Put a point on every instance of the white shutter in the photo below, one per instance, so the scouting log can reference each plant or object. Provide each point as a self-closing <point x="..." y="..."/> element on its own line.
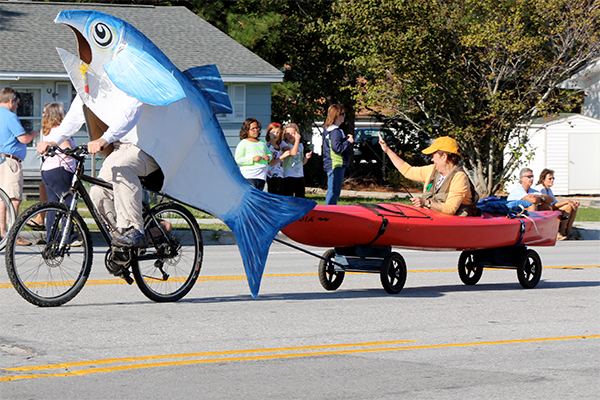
<point x="63" y="94"/>
<point x="238" y="102"/>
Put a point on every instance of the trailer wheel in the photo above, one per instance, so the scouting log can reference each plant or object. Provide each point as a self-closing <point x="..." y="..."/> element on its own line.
<point x="393" y="273"/>
<point x="468" y="271"/>
<point x="330" y="278"/>
<point x="529" y="269"/>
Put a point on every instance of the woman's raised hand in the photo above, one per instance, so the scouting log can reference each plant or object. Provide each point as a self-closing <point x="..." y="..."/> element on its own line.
<point x="382" y="143"/>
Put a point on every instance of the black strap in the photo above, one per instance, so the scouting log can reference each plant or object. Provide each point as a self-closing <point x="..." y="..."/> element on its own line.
<point x="384" y="221"/>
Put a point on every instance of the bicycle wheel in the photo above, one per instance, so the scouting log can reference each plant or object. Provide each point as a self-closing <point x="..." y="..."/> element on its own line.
<point x="173" y="275"/>
<point x="10" y="217"/>
<point x="38" y="271"/>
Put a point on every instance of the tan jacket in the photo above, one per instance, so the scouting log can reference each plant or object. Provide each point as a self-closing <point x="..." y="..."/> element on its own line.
<point x="454" y="192"/>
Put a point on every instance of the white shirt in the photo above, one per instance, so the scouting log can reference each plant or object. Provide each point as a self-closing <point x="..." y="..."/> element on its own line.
<point x="127" y="116"/>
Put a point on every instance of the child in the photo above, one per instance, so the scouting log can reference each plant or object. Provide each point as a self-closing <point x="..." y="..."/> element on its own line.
<point x="293" y="166"/>
<point x="279" y="151"/>
<point x="252" y="154"/>
<point x="57" y="171"/>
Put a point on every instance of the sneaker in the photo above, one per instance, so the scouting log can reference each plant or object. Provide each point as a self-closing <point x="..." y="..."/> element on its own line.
<point x="22" y="242"/>
<point x="40" y="241"/>
<point x="76" y="243"/>
<point x="560" y="237"/>
<point x="131" y="238"/>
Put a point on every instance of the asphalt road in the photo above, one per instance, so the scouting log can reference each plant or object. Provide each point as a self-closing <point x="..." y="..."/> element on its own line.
<point x="436" y="339"/>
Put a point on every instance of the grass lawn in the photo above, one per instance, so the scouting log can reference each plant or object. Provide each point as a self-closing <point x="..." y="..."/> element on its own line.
<point x="588" y="214"/>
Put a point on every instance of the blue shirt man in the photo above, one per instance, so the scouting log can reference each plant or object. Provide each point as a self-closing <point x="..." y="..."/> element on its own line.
<point x="524" y="191"/>
<point x="10" y="130"/>
<point x="13" y="144"/>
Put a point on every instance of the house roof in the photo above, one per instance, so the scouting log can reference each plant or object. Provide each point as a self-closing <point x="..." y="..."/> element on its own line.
<point x="561" y="118"/>
<point x="586" y="77"/>
<point x="29" y="36"/>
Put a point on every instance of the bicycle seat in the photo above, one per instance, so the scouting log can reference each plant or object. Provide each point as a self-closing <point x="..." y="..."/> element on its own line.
<point x="154" y="181"/>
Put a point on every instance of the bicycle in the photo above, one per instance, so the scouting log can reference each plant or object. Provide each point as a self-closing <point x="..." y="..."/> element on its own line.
<point x="11" y="214"/>
<point x="10" y="218"/>
<point x="54" y="269"/>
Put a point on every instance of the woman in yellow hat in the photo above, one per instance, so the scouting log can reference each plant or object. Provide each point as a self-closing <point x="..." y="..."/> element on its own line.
<point x="447" y="187"/>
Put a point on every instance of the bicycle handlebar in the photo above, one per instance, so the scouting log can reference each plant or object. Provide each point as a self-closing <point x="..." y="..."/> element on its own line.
<point x="78" y="152"/>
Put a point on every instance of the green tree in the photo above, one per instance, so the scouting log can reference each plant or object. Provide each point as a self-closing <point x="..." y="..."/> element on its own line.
<point x="288" y="35"/>
<point x="476" y="70"/>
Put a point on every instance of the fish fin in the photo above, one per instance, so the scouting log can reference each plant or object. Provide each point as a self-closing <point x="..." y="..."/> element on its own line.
<point x="208" y="80"/>
<point x="140" y="75"/>
<point x="261" y="216"/>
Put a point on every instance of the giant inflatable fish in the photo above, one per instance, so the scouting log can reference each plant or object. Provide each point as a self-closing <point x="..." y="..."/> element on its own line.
<point x="178" y="127"/>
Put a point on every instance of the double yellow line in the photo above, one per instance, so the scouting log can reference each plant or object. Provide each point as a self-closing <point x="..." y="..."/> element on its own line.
<point x="132" y="363"/>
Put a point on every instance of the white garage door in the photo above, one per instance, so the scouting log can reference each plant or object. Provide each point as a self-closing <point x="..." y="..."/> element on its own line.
<point x="584" y="163"/>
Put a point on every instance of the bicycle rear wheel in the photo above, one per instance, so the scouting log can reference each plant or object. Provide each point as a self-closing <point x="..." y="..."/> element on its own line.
<point x="179" y="254"/>
<point x="10" y="217"/>
<point x="39" y="273"/>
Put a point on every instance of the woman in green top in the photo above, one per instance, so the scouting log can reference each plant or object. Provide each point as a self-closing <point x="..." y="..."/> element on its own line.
<point x="252" y="154"/>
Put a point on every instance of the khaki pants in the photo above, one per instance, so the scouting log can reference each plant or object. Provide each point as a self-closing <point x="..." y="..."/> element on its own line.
<point x="122" y="207"/>
<point x="11" y="178"/>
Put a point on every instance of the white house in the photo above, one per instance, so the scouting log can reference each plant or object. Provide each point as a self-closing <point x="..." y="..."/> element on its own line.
<point x="587" y="79"/>
<point x="569" y="144"/>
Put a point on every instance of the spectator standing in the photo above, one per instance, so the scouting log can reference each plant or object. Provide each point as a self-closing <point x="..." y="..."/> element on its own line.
<point x="252" y="154"/>
<point x="13" y="144"/>
<point x="293" y="166"/>
<point x="279" y="152"/>
<point x="336" y="152"/>
<point x="58" y="170"/>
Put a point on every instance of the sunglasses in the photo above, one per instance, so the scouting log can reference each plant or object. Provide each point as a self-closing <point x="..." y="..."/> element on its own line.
<point x="528" y="176"/>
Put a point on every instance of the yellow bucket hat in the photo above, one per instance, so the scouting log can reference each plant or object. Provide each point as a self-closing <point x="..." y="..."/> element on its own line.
<point x="444" y="143"/>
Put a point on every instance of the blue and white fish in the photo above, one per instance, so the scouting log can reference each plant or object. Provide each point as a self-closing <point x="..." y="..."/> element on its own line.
<point x="178" y="127"/>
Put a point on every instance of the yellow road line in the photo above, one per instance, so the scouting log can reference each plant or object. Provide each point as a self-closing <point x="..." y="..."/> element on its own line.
<point x="258" y="357"/>
<point x="203" y="354"/>
<point x="243" y="277"/>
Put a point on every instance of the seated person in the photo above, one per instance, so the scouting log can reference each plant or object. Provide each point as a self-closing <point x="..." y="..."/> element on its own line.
<point x="568" y="208"/>
<point x="447" y="187"/>
<point x="524" y="191"/>
<point x="121" y="207"/>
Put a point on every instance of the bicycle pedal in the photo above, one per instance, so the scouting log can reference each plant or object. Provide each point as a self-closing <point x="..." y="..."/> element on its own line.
<point x="121" y="272"/>
<point x="127" y="277"/>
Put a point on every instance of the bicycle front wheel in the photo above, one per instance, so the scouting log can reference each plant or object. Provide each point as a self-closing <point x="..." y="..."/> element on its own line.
<point x="42" y="272"/>
<point x="175" y="264"/>
<point x="10" y="217"/>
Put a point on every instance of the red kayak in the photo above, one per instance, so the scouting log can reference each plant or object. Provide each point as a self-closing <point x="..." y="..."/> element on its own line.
<point x="402" y="225"/>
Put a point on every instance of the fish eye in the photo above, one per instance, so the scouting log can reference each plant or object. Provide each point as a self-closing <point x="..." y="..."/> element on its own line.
<point x="102" y="34"/>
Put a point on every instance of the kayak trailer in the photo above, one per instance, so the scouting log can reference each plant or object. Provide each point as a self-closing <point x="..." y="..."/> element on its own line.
<point x="391" y="267"/>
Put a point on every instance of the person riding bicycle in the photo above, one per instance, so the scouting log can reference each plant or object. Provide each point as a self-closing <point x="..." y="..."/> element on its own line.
<point x="121" y="207"/>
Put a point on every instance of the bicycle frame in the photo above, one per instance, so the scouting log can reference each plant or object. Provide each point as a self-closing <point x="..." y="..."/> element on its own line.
<point x="78" y="190"/>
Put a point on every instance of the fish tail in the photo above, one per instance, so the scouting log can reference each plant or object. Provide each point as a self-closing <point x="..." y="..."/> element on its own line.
<point x="260" y="217"/>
